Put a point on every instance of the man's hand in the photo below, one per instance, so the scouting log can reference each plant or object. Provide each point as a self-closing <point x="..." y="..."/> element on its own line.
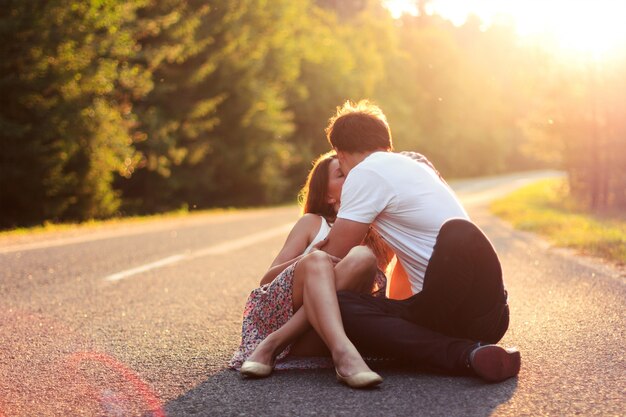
<point x="319" y="245"/>
<point x="421" y="158"/>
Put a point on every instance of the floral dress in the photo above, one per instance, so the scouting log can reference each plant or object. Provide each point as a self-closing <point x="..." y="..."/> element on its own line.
<point x="269" y="307"/>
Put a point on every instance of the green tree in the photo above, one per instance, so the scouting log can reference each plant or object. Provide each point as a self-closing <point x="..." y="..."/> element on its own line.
<point x="452" y="95"/>
<point x="580" y="119"/>
<point x="344" y="47"/>
<point x="216" y="122"/>
<point x="67" y="85"/>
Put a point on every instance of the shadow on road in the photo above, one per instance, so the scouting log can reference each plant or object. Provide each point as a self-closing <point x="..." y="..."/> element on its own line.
<point x="316" y="392"/>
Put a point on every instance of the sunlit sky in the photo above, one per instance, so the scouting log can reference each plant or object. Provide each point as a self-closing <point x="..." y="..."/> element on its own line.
<point x="584" y="26"/>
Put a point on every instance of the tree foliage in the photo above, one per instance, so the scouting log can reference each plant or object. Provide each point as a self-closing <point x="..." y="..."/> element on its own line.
<point x="68" y="83"/>
<point x="113" y="107"/>
<point x="582" y="119"/>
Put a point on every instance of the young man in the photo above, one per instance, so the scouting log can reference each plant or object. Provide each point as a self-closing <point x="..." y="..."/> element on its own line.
<point x="459" y="308"/>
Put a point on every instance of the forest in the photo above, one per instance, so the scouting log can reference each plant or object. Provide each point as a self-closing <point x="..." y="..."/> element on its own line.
<point x="124" y="107"/>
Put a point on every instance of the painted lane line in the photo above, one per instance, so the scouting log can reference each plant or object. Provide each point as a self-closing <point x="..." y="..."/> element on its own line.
<point x="218" y="249"/>
<point x="234" y="244"/>
<point x="143" y="268"/>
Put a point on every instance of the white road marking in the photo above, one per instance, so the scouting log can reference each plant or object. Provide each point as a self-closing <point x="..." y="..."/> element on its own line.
<point x="143" y="268"/>
<point x="218" y="249"/>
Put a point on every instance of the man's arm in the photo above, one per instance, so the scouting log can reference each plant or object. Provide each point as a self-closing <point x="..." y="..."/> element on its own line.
<point x="344" y="235"/>
<point x="421" y="158"/>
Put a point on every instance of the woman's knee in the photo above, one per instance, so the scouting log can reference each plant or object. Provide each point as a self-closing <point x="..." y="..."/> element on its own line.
<point x="315" y="258"/>
<point x="361" y="258"/>
<point x="314" y="263"/>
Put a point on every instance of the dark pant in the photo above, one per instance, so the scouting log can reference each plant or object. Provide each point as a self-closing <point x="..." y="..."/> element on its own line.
<point x="462" y="302"/>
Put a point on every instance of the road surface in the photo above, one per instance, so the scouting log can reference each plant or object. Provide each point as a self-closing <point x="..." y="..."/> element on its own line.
<point x="141" y="319"/>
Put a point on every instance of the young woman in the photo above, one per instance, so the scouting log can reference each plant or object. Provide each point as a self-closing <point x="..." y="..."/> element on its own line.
<point x="299" y="289"/>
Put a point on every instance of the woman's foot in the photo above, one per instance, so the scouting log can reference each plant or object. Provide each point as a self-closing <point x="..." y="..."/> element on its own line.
<point x="261" y="362"/>
<point x="352" y="370"/>
<point x="349" y="363"/>
<point x="255" y="369"/>
<point x="360" y="379"/>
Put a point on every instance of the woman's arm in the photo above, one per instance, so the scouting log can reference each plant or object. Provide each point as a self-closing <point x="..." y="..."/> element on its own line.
<point x="299" y="238"/>
<point x="277" y="269"/>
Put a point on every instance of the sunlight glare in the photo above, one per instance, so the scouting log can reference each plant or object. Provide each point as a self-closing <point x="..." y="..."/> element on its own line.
<point x="593" y="28"/>
<point x="398" y="7"/>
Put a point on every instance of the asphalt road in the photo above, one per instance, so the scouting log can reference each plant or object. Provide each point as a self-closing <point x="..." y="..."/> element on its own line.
<point x="141" y="320"/>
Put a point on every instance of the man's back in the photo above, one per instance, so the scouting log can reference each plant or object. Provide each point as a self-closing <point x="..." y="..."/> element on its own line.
<point x="405" y="201"/>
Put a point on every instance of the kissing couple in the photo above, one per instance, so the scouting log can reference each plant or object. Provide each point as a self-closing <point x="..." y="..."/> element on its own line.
<point x="445" y="306"/>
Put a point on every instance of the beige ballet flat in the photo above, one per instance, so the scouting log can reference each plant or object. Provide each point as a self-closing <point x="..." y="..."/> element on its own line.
<point x="360" y="379"/>
<point x="256" y="369"/>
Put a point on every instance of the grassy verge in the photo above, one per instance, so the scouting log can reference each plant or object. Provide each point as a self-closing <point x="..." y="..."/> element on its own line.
<point x="96" y="224"/>
<point x="546" y="208"/>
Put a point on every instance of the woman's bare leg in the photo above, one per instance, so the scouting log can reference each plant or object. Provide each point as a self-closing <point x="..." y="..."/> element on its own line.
<point x="322" y="312"/>
<point x="278" y="340"/>
<point x="355" y="272"/>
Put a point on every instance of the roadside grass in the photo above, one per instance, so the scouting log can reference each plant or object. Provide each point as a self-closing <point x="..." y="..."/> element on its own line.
<point x="97" y="224"/>
<point x="546" y="208"/>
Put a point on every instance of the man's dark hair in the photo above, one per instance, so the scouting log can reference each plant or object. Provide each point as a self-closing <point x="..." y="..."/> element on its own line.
<point x="359" y="127"/>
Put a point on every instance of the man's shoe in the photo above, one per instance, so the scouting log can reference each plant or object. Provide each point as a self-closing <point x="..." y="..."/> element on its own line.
<point x="494" y="363"/>
<point x="255" y="369"/>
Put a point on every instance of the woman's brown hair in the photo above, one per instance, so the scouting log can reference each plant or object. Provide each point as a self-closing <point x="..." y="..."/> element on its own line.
<point x="313" y="198"/>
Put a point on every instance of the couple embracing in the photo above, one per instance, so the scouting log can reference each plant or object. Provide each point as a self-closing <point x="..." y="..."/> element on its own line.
<point x="363" y="204"/>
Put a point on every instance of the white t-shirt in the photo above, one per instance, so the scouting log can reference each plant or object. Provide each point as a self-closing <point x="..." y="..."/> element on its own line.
<point x="406" y="202"/>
